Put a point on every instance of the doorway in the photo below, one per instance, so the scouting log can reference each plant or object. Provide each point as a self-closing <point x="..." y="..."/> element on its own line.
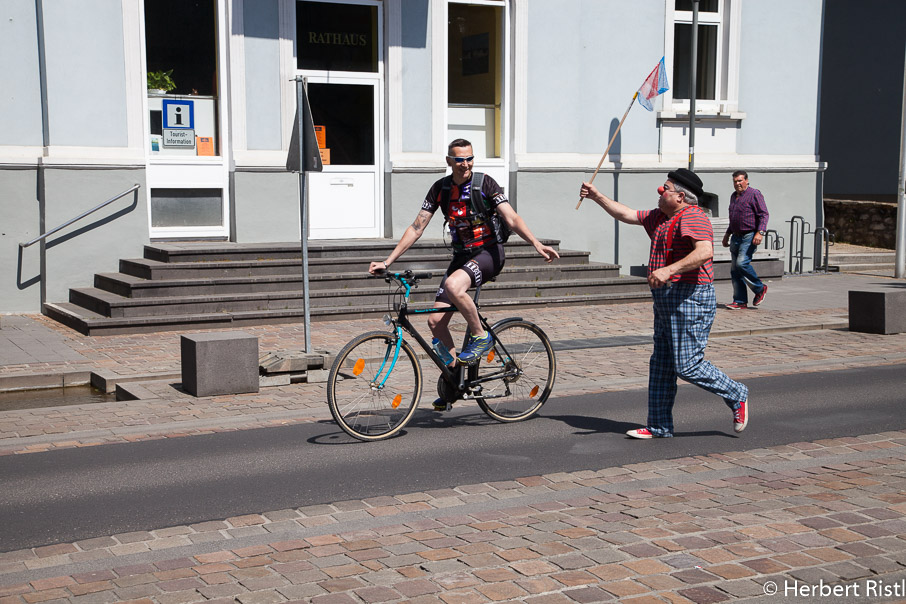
<point x="339" y="53"/>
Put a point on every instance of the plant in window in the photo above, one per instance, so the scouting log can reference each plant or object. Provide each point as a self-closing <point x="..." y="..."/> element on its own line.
<point x="161" y="80"/>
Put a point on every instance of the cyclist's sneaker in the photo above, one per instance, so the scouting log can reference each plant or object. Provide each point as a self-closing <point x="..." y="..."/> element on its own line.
<point x="640" y="433"/>
<point x="476" y="347"/>
<point x="741" y="416"/>
<point x="759" y="297"/>
<point x="737" y="306"/>
<point x="440" y="404"/>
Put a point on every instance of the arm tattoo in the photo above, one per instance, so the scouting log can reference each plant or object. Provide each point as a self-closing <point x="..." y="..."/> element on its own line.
<point x="421" y="221"/>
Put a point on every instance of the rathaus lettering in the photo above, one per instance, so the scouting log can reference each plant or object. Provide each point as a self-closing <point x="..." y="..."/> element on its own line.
<point x="337" y="39"/>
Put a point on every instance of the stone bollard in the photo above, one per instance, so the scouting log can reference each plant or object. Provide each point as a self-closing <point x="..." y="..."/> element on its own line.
<point x="877" y="311"/>
<point x="219" y="363"/>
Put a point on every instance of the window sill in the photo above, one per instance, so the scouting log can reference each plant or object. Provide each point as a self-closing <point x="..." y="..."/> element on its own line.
<point x="715" y="116"/>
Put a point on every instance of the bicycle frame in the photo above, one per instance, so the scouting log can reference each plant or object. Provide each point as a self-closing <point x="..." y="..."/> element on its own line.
<point x="402" y="322"/>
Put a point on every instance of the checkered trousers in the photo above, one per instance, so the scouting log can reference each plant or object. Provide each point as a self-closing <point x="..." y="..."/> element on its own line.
<point x="683" y="314"/>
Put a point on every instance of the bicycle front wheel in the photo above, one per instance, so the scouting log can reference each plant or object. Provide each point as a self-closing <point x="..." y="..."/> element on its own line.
<point x="526" y="366"/>
<point x="372" y="397"/>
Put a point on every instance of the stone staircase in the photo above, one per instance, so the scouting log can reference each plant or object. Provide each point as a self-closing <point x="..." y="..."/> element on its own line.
<point x="197" y="285"/>
<point x="844" y="258"/>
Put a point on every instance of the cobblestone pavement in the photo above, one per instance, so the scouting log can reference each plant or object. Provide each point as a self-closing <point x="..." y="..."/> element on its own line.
<point x="699" y="529"/>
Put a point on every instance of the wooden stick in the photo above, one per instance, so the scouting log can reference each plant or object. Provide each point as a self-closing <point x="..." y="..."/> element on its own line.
<point x="610" y="144"/>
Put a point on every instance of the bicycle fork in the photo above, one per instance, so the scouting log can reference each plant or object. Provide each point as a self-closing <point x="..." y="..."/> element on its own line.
<point x="396" y="345"/>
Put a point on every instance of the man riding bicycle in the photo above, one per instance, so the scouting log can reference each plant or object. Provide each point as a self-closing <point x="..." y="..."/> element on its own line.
<point x="478" y="254"/>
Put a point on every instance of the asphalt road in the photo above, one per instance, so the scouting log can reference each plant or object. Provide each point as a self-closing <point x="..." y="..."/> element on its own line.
<point x="72" y="494"/>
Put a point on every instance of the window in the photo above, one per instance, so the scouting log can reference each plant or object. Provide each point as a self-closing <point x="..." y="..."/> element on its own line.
<point x="475" y="79"/>
<point x="716" y="57"/>
<point x="337" y="37"/>
<point x="180" y="41"/>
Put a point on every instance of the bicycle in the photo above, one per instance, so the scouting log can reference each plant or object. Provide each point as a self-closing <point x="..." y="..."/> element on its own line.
<point x="375" y="382"/>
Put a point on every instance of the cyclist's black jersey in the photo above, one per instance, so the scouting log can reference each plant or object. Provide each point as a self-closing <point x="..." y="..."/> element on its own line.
<point x="468" y="229"/>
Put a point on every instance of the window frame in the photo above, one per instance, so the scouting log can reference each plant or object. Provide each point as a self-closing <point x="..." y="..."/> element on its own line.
<point x="727" y="20"/>
<point x="495" y="165"/>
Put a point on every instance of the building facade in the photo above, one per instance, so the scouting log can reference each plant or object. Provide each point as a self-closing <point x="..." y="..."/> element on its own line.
<point x="537" y="86"/>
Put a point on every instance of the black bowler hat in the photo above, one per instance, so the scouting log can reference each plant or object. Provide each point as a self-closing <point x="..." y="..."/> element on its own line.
<point x="688" y="179"/>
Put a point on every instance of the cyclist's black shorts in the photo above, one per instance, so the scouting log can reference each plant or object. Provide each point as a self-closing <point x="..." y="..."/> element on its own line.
<point x="481" y="266"/>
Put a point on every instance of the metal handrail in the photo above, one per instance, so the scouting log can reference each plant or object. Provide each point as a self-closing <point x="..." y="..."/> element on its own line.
<point x="80" y="216"/>
<point x="822" y="235"/>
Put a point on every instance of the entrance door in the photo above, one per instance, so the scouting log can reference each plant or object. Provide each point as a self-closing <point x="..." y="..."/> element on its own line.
<point x="339" y="53"/>
<point x="344" y="198"/>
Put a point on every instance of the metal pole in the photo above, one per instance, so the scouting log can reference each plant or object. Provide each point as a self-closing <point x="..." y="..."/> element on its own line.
<point x="692" y="90"/>
<point x="900" y="266"/>
<point x="303" y="208"/>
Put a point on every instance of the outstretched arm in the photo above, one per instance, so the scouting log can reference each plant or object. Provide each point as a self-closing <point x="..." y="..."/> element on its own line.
<point x="515" y="222"/>
<point x="412" y="234"/>
<point x="614" y="208"/>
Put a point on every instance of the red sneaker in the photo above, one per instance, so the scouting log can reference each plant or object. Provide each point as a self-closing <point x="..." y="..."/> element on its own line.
<point x="741" y="416"/>
<point x="640" y="433"/>
<point x="737" y="306"/>
<point x="759" y="297"/>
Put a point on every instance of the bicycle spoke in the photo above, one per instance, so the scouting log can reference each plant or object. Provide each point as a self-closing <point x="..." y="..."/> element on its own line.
<point x="527" y="368"/>
<point x="372" y="392"/>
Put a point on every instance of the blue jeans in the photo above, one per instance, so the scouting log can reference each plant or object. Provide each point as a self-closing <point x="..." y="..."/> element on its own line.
<point x="741" y="272"/>
<point x="683" y="315"/>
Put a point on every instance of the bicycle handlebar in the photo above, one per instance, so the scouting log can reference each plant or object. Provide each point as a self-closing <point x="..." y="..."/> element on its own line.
<point x="406" y="277"/>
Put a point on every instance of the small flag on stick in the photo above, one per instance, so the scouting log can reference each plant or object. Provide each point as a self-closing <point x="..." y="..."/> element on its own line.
<point x="654" y="84"/>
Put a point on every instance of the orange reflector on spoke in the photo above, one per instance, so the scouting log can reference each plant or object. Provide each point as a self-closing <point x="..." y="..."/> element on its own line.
<point x="358" y="367"/>
<point x="396" y="401"/>
<point x="490" y="356"/>
<point x="534" y="392"/>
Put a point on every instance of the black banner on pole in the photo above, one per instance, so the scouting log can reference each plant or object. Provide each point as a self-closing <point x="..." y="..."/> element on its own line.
<point x="312" y="155"/>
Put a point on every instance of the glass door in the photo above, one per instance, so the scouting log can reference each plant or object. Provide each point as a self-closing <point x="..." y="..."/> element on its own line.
<point x="339" y="53"/>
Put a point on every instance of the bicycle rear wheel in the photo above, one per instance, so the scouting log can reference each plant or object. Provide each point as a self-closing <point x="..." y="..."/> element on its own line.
<point x="365" y="404"/>
<point x="527" y="369"/>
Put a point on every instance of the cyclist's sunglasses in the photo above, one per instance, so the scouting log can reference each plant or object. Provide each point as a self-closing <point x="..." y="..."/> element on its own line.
<point x="459" y="160"/>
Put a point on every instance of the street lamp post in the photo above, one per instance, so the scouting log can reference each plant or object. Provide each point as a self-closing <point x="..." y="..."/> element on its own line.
<point x="692" y="84"/>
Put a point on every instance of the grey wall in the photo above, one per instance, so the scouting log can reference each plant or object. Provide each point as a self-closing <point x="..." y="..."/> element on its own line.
<point x="585" y="61"/>
<point x="266" y="206"/>
<point x="262" y="74"/>
<point x="778" y="87"/>
<point x="408" y="190"/>
<point x="19" y="287"/>
<point x="861" y="97"/>
<point x="20" y="101"/>
<point x="416" y="76"/>
<point x="96" y="243"/>
<point x="86" y="79"/>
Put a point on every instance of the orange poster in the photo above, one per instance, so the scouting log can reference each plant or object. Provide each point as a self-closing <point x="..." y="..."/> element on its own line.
<point x="321" y="135"/>
<point x="205" y="145"/>
<point x="325" y="156"/>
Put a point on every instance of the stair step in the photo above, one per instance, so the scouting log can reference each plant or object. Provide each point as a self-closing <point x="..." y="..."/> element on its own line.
<point x="858" y="268"/>
<point x="217" y="251"/>
<point x="105" y="303"/>
<point x="146" y="268"/>
<point x="136" y="287"/>
<point x="90" y="323"/>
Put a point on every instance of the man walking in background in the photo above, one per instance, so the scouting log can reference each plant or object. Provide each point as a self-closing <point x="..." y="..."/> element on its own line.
<point x="748" y="224"/>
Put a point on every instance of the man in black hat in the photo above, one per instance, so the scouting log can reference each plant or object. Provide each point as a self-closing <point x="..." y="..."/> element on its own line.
<point x="682" y="287"/>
